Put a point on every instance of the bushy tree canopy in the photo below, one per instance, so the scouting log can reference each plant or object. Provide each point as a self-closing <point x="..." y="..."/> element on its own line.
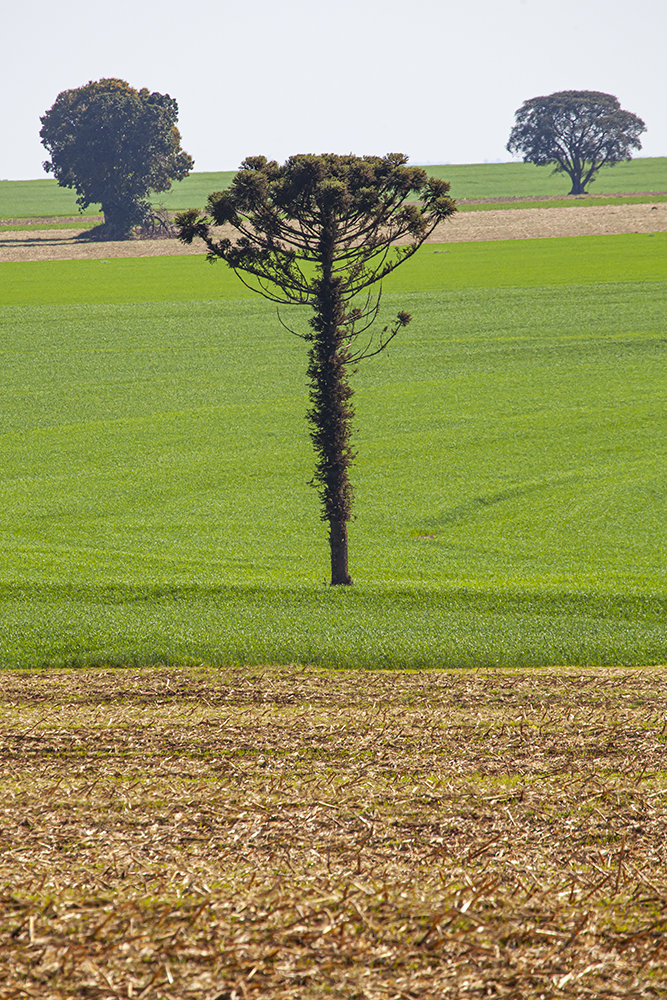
<point x="113" y="144"/>
<point x="320" y="231"/>
<point x="577" y="130"/>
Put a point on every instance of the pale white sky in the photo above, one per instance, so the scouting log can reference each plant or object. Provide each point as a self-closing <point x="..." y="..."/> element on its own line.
<point x="436" y="79"/>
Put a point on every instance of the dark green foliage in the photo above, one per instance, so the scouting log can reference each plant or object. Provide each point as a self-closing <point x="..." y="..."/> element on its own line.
<point x="114" y="144"/>
<point x="319" y="231"/>
<point x="577" y="130"/>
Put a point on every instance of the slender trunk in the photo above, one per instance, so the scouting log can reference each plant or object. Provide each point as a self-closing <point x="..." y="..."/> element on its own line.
<point x="338" y="543"/>
<point x="331" y="411"/>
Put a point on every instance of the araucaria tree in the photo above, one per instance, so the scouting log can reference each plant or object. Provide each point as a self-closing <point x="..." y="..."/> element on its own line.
<point x="578" y="131"/>
<point x="320" y="231"/>
<point x="114" y="144"/>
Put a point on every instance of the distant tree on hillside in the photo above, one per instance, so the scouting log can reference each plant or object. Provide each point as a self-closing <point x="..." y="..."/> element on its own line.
<point x="577" y="130"/>
<point x="114" y="144"/>
<point x="317" y="232"/>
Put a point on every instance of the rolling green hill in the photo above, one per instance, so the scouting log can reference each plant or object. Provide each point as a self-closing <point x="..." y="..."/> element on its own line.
<point x="43" y="198"/>
<point x="511" y="480"/>
<point x="497" y="264"/>
<point x="524" y="180"/>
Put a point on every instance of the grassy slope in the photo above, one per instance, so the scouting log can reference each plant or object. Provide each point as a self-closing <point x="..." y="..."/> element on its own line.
<point x="524" y="180"/>
<point x="496" y="264"/>
<point x="32" y="199"/>
<point x="494" y="206"/>
<point x="38" y="198"/>
<point x="43" y="197"/>
<point x="510" y="478"/>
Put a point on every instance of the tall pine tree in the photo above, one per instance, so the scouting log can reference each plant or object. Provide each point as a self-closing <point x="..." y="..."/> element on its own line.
<point x="320" y="231"/>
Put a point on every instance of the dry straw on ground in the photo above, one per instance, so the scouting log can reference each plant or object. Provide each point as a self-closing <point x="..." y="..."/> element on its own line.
<point x="291" y="833"/>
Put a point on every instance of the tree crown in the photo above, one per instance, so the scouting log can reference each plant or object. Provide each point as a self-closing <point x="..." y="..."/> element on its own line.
<point x="578" y="131"/>
<point x="113" y="143"/>
<point x="283" y="213"/>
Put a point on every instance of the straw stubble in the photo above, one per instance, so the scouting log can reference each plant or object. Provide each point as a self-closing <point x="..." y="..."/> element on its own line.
<point x="290" y="833"/>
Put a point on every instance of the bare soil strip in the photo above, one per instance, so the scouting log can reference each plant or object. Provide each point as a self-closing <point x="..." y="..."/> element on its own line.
<point x="65" y="244"/>
<point x="588" y="197"/>
<point x="538" y="223"/>
<point x="529" y="223"/>
<point x="292" y="833"/>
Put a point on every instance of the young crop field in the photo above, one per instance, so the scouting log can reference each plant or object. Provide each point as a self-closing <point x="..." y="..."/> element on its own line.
<point x="582" y="260"/>
<point x="43" y="198"/>
<point x="80" y="223"/>
<point x="38" y="199"/>
<point x="525" y="180"/>
<point x="293" y="834"/>
<point x="521" y="204"/>
<point x="510" y="480"/>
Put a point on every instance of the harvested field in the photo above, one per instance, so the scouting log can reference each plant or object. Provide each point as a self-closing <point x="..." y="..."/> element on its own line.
<point x="66" y="244"/>
<point x="293" y="833"/>
<point x="538" y="223"/>
<point x="528" y="223"/>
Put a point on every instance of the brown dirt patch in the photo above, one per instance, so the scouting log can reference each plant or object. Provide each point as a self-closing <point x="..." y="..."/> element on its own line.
<point x="529" y="223"/>
<point x="292" y="834"/>
<point x="65" y="244"/>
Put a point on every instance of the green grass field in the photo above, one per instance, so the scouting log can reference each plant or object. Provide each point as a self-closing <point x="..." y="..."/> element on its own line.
<point x="457" y="266"/>
<point x="582" y="199"/>
<point x="524" y="180"/>
<point x="79" y="223"/>
<point x="38" y="199"/>
<point x="510" y="483"/>
<point x="43" y="198"/>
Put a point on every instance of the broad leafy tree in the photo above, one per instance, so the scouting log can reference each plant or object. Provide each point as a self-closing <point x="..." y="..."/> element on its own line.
<point x="578" y="131"/>
<point x="114" y="144"/>
<point x="320" y="231"/>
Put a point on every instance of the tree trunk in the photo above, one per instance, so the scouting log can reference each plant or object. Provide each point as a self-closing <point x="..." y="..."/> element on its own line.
<point x="577" y="186"/>
<point x="338" y="543"/>
<point x="331" y="411"/>
<point x="116" y="225"/>
<point x="121" y="216"/>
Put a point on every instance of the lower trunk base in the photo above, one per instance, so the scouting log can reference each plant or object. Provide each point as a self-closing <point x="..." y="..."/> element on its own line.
<point x="338" y="542"/>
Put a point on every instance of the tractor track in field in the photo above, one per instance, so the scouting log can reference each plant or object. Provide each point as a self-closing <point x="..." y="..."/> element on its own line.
<point x="500" y="224"/>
